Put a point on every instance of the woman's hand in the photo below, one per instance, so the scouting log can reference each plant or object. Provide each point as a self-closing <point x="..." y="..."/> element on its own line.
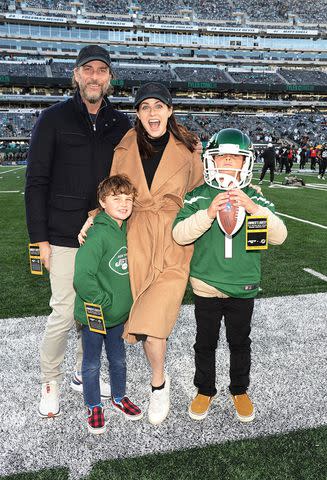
<point x="83" y="232"/>
<point x="239" y="198"/>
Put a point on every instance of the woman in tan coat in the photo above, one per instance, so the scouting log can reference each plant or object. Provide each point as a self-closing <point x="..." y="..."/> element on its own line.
<point x="160" y="158"/>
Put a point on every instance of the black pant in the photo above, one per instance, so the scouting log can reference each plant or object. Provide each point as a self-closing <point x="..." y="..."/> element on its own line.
<point x="302" y="163"/>
<point x="268" y="166"/>
<point x="237" y="313"/>
<point x="285" y="163"/>
<point x="322" y="166"/>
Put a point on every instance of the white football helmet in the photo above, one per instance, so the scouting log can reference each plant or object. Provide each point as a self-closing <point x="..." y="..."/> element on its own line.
<point x="233" y="141"/>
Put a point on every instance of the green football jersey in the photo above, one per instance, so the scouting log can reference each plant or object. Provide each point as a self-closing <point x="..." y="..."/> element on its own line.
<point x="238" y="276"/>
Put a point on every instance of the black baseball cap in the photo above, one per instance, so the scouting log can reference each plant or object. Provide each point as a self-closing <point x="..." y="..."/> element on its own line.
<point x="153" y="90"/>
<point x="92" y="52"/>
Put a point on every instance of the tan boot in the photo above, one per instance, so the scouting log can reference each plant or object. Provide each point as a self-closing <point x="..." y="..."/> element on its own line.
<point x="199" y="407"/>
<point x="244" y="407"/>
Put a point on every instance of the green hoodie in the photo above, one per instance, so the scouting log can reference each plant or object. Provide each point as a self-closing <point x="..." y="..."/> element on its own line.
<point x="101" y="272"/>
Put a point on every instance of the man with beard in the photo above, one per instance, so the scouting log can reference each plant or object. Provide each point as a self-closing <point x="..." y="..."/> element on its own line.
<point x="70" y="152"/>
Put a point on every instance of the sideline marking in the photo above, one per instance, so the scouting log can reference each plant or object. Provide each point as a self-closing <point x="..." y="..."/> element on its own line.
<point x="316" y="274"/>
<point x="278" y="184"/>
<point x="13" y="169"/>
<point x="301" y="220"/>
<point x="9" y="191"/>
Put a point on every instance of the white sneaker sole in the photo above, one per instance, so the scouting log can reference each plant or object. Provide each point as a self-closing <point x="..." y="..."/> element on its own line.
<point x="97" y="431"/>
<point x="248" y="419"/>
<point x="201" y="416"/>
<point x="159" y="421"/>
<point x="50" y="414"/>
<point x="196" y="416"/>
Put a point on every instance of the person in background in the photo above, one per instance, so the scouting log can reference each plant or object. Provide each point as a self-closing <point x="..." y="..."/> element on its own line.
<point x="323" y="162"/>
<point x="303" y="157"/>
<point x="269" y="159"/>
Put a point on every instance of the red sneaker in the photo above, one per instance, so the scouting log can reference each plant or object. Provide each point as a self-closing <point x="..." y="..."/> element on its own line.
<point x="95" y="420"/>
<point x="128" y="408"/>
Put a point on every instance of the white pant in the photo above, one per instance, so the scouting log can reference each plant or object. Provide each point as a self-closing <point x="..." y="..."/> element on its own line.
<point x="61" y="319"/>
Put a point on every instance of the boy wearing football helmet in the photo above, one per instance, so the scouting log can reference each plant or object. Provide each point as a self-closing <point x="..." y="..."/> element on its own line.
<point x="224" y="274"/>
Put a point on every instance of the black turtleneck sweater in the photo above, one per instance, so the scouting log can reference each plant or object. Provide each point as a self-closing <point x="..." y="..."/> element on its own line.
<point x="150" y="166"/>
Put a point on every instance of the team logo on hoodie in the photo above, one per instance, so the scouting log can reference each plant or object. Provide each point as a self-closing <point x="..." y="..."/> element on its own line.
<point x="118" y="262"/>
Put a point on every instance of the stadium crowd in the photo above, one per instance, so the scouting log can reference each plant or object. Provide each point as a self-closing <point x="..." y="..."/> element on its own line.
<point x="166" y="72"/>
<point x="297" y="129"/>
<point x="253" y="10"/>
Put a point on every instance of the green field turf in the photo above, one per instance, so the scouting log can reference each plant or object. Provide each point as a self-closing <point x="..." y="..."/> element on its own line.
<point x="282" y="266"/>
<point x="300" y="455"/>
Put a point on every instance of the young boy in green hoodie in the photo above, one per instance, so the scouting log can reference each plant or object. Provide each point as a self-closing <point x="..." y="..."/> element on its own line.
<point x="102" y="285"/>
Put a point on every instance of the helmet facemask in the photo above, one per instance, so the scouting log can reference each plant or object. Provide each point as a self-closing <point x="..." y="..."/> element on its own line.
<point x="213" y="175"/>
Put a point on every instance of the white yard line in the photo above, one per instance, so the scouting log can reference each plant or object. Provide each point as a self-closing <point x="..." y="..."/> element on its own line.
<point x="9" y="191"/>
<point x="301" y="220"/>
<point x="316" y="274"/>
<point x="314" y="186"/>
<point x="13" y="170"/>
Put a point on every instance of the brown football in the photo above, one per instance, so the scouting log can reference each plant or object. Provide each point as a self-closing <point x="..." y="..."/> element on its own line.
<point x="227" y="218"/>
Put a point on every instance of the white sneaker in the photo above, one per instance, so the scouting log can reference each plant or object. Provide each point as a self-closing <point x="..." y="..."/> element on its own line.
<point x="77" y="385"/>
<point x="159" y="404"/>
<point x="49" y="403"/>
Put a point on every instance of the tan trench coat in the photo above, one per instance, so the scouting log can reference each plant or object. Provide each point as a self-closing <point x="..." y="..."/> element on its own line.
<point x="159" y="268"/>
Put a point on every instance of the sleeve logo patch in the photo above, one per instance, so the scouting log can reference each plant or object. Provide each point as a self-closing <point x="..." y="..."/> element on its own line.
<point x="118" y="262"/>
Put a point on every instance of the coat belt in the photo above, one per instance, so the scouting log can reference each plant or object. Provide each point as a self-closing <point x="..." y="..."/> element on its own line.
<point x="156" y="225"/>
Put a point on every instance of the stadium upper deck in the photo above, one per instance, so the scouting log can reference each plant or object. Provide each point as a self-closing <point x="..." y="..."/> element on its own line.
<point x="255" y="10"/>
<point x="245" y="56"/>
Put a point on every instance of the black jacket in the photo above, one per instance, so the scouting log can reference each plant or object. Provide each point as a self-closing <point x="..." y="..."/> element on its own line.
<point x="67" y="159"/>
<point x="269" y="155"/>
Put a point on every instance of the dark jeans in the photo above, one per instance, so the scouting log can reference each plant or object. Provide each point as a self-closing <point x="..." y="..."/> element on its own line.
<point x="285" y="163"/>
<point x="237" y="313"/>
<point x="115" y="350"/>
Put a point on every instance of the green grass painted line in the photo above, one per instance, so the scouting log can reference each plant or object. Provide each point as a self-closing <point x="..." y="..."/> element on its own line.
<point x="12" y="170"/>
<point x="301" y="220"/>
<point x="316" y="274"/>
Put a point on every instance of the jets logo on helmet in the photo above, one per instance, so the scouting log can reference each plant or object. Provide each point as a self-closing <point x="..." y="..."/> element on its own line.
<point x="228" y="141"/>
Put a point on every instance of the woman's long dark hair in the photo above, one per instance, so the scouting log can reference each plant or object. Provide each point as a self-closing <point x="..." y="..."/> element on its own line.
<point x="180" y="132"/>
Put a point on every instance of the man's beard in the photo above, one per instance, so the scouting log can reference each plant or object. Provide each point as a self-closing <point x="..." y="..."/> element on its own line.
<point x="94" y="97"/>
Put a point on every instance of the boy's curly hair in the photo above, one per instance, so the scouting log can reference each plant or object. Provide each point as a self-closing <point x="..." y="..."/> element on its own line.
<point x="116" y="185"/>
